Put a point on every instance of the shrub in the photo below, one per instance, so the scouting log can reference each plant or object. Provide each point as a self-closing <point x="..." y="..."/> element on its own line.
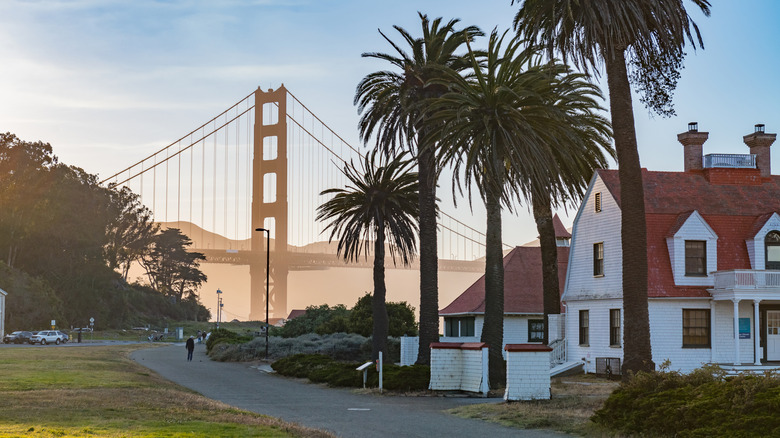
<point x="224" y="336"/>
<point x="400" y="316"/>
<point x="700" y="404"/>
<point x="322" y="369"/>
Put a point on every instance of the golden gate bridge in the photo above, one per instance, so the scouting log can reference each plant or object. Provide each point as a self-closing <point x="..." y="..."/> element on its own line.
<point x="262" y="163"/>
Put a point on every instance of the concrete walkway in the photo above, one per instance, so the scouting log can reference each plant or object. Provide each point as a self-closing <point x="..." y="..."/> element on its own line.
<point x="338" y="411"/>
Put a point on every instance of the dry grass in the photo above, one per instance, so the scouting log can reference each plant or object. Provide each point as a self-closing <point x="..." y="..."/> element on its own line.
<point x="98" y="391"/>
<point x="574" y="400"/>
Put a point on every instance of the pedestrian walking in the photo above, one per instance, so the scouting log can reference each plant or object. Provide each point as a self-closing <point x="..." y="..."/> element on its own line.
<point x="190" y="348"/>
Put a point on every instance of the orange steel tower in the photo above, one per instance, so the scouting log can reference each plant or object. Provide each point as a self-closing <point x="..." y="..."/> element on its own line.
<point x="269" y="202"/>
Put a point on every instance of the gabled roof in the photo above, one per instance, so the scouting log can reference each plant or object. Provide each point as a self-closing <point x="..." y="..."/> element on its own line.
<point x="522" y="284"/>
<point x="560" y="230"/>
<point x="295" y="313"/>
<point x="731" y="210"/>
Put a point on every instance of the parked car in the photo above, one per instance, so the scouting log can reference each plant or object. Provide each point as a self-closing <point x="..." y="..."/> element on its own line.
<point x="17" y="337"/>
<point x="49" y="336"/>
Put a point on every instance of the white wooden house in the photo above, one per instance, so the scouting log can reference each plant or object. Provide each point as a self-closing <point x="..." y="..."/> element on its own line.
<point x="713" y="249"/>
<point x="523" y="300"/>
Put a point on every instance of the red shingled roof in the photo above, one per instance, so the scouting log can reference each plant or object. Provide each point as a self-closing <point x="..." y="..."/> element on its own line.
<point x="734" y="211"/>
<point x="522" y="284"/>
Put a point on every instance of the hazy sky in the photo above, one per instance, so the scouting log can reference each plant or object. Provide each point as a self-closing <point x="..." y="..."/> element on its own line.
<point x="107" y="82"/>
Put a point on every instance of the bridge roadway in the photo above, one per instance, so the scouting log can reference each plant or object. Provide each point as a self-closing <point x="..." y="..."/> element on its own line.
<point x="304" y="261"/>
<point x="339" y="411"/>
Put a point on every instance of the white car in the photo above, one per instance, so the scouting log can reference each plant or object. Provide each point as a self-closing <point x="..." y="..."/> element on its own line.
<point x="49" y="336"/>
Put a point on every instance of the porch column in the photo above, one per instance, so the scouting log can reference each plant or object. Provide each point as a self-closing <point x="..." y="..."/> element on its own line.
<point x="736" y="332"/>
<point x="713" y="354"/>
<point x="756" y="333"/>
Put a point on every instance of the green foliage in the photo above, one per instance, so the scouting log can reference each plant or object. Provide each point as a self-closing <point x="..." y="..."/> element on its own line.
<point x="400" y="315"/>
<point x="224" y="336"/>
<point x="172" y="269"/>
<point x="32" y="302"/>
<point x="325" y="320"/>
<point x="700" y="404"/>
<point x="68" y="234"/>
<point x="314" y="317"/>
<point x="322" y="369"/>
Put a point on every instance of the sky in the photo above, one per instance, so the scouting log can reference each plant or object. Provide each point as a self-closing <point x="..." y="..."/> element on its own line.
<point x="108" y="82"/>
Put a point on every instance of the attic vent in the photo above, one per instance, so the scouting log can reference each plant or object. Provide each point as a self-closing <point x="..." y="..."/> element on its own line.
<point x="598" y="202"/>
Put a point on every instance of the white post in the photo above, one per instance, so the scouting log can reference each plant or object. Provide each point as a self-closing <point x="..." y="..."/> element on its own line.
<point x="380" y="371"/>
<point x="485" y="374"/>
<point x="736" y="332"/>
<point x="712" y="332"/>
<point x="756" y="334"/>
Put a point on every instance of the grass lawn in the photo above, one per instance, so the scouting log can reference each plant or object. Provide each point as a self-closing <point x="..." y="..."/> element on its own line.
<point x="574" y="400"/>
<point x="99" y="391"/>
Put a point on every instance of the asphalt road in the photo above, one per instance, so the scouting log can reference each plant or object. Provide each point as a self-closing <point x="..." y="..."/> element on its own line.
<point x="338" y="411"/>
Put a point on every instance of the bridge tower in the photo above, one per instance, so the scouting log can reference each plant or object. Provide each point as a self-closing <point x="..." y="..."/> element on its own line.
<point x="269" y="201"/>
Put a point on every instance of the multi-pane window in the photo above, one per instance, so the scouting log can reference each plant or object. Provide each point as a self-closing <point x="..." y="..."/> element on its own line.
<point x="598" y="259"/>
<point x="772" y="244"/>
<point x="614" y="327"/>
<point x="696" y="328"/>
<point x="456" y="327"/>
<point x="584" y="326"/>
<point x="696" y="257"/>
<point x="535" y="330"/>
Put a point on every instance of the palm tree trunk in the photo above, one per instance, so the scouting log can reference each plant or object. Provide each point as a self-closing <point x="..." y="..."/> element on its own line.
<point x="493" y="328"/>
<point x="429" y="259"/>
<point x="378" y="307"/>
<point x="637" y="354"/>
<point x="550" y="286"/>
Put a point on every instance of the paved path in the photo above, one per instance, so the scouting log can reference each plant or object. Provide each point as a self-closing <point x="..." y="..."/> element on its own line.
<point x="338" y="411"/>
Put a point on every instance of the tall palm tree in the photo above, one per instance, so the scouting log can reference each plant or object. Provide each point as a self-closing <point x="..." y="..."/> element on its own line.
<point x="584" y="136"/>
<point x="390" y="103"/>
<point x="508" y="131"/>
<point x="650" y="35"/>
<point x="379" y="204"/>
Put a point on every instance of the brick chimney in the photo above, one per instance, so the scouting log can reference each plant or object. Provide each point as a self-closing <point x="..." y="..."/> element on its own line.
<point x="692" y="142"/>
<point x="759" y="143"/>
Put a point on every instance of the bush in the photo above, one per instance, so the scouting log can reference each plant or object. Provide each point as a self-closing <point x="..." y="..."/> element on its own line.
<point x="322" y="369"/>
<point x="223" y="336"/>
<point x="700" y="404"/>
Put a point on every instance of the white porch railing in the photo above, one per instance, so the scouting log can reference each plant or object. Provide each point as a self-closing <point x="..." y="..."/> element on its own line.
<point x="558" y="354"/>
<point x="747" y="279"/>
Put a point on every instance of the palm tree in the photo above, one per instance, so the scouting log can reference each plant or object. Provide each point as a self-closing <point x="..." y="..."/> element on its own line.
<point x="509" y="131"/>
<point x="650" y="35"/>
<point x="390" y="104"/>
<point x="379" y="204"/>
<point x="583" y="138"/>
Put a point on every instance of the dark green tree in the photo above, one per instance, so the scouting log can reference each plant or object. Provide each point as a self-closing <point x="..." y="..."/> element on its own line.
<point x="130" y="232"/>
<point x="400" y="316"/>
<point x="649" y="35"/>
<point x="378" y="206"/>
<point x="170" y="268"/>
<point x="391" y="104"/>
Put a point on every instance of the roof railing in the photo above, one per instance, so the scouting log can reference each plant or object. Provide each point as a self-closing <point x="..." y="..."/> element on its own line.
<point x="744" y="161"/>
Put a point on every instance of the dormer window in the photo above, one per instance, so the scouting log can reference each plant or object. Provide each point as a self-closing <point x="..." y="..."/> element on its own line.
<point x="772" y="245"/>
<point x="696" y="257"/>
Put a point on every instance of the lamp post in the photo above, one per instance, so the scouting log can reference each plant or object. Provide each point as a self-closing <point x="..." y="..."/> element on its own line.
<point x="219" y="305"/>
<point x="267" y="276"/>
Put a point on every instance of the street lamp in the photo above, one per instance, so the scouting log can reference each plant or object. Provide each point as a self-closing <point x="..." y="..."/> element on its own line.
<point x="219" y="305"/>
<point x="267" y="276"/>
